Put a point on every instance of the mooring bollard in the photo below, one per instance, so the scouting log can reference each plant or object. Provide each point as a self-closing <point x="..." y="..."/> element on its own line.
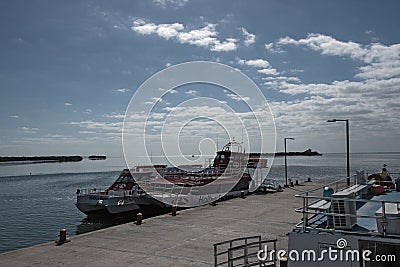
<point x="309" y="179"/>
<point x="63" y="235"/>
<point x="297" y="182"/>
<point x="242" y="194"/>
<point x="173" y="210"/>
<point x="291" y="183"/>
<point x="62" y="238"/>
<point x="139" y="218"/>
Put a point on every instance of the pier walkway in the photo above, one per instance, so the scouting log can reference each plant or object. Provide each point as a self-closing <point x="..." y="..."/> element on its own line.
<point x="184" y="240"/>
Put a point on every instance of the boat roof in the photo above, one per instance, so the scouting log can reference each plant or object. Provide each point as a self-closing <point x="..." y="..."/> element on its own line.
<point x="370" y="210"/>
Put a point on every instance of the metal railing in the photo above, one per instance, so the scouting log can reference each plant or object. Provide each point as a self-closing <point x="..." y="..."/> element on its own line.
<point x="245" y="251"/>
<point x="86" y="191"/>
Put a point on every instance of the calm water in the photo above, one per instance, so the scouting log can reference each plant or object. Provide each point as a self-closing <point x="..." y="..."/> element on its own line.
<point x="33" y="208"/>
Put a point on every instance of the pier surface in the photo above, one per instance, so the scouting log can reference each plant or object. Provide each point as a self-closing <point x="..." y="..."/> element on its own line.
<point x="184" y="240"/>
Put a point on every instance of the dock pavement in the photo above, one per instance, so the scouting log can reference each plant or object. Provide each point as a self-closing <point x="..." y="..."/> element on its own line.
<point x="183" y="240"/>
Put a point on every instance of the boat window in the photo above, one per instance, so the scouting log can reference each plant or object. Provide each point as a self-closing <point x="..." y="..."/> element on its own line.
<point x="124" y="178"/>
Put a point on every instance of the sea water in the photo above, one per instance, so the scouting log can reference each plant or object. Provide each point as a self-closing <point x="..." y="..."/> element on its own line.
<point x="37" y="200"/>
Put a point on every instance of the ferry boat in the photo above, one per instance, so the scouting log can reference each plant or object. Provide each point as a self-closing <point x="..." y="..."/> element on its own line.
<point x="348" y="225"/>
<point x="231" y="173"/>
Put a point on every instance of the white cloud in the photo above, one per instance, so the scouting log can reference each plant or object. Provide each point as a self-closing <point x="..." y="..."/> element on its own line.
<point x="258" y="63"/>
<point x="327" y="45"/>
<point x="100" y="127"/>
<point x="204" y="37"/>
<point x="173" y="3"/>
<point x="67" y="104"/>
<point x="228" y="45"/>
<point x="114" y="116"/>
<point x="273" y="48"/>
<point x="171" y="91"/>
<point x="121" y="90"/>
<point x="88" y="111"/>
<point x="282" y="78"/>
<point x="14" y="116"/>
<point x="238" y="98"/>
<point x="29" y="129"/>
<point x="249" y="37"/>
<point x="371" y="102"/>
<point x="192" y="92"/>
<point x="156" y="99"/>
<point x="269" y="71"/>
<point x="87" y="132"/>
<point x="382" y="61"/>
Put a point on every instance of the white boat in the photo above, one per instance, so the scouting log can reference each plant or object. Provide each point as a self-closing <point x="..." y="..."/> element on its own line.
<point x="117" y="198"/>
<point x="229" y="174"/>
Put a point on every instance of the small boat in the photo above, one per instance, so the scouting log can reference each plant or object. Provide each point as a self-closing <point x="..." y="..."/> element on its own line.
<point x="229" y="174"/>
<point x="116" y="199"/>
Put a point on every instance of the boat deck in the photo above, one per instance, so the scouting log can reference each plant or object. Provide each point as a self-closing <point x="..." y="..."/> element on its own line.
<point x="351" y="210"/>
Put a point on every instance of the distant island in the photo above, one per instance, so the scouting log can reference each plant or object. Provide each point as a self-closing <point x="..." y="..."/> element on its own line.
<point x="43" y="159"/>
<point x="307" y="152"/>
<point x="96" y="157"/>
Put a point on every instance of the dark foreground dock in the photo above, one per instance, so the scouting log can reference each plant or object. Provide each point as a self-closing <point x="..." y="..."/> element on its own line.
<point x="184" y="240"/>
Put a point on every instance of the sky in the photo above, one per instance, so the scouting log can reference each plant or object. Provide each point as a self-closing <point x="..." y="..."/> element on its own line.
<point x="69" y="70"/>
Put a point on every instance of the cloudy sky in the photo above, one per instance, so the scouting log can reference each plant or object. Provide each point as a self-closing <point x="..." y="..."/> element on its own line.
<point x="68" y="69"/>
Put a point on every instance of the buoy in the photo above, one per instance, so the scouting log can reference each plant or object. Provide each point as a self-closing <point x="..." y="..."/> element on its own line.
<point x="139" y="218"/>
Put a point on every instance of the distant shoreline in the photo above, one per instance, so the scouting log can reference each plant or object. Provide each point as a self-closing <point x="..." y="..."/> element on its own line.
<point x="42" y="159"/>
<point x="307" y="152"/>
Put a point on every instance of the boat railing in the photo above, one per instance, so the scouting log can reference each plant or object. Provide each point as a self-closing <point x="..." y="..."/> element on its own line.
<point x="89" y="191"/>
<point x="165" y="189"/>
<point x="318" y="213"/>
<point x="111" y="193"/>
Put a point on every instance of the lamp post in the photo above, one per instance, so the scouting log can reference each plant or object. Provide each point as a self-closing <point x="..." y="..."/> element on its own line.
<point x="284" y="141"/>
<point x="347" y="147"/>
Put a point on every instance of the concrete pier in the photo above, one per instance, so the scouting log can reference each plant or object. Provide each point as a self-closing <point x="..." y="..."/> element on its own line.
<point x="183" y="240"/>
